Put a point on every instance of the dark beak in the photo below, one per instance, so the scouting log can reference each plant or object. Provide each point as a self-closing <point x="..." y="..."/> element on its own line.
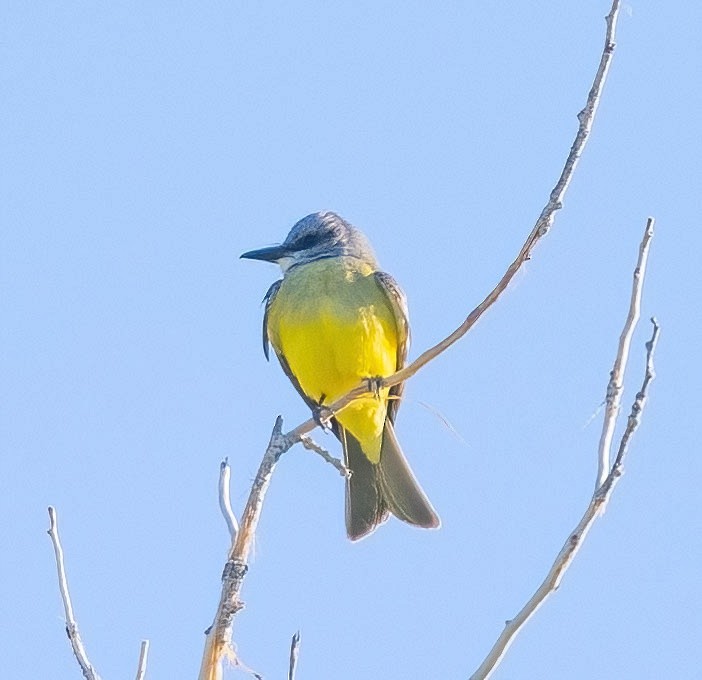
<point x="270" y="254"/>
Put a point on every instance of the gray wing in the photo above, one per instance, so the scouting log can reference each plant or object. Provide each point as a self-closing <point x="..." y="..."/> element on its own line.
<point x="397" y="299"/>
<point x="268" y="299"/>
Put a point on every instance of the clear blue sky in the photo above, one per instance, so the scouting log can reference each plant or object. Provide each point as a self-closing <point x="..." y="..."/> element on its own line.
<point x="146" y="145"/>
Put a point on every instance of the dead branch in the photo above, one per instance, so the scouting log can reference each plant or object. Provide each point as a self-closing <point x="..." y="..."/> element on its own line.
<point x="603" y="491"/>
<point x="217" y="642"/>
<point x="615" y="385"/>
<point x="88" y="670"/>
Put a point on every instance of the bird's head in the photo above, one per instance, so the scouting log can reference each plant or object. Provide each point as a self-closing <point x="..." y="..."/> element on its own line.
<point x="317" y="236"/>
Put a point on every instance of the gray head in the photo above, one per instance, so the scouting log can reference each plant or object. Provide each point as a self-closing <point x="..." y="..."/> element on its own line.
<point x="317" y="236"/>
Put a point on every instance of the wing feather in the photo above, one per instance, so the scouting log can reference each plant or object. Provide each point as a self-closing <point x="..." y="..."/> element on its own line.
<point x="398" y="301"/>
<point x="268" y="300"/>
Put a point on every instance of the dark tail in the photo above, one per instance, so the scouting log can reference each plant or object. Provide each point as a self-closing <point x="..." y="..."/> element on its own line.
<point x="375" y="490"/>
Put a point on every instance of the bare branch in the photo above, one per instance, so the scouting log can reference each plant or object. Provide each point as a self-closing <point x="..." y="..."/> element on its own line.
<point x="218" y="641"/>
<point x="614" y="388"/>
<point x="294" y="653"/>
<point x="225" y="503"/>
<point x="634" y="419"/>
<point x="143" y="655"/>
<point x="543" y="224"/>
<point x="89" y="672"/>
<point x="597" y="503"/>
<point x="311" y="445"/>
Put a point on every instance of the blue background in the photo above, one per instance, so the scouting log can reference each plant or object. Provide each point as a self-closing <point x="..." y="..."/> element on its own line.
<point x="146" y="145"/>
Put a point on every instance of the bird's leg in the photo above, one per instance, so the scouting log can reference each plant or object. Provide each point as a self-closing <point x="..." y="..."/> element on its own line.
<point x="374" y="385"/>
<point x="321" y="414"/>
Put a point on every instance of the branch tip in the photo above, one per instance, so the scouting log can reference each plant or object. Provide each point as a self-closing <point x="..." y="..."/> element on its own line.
<point x="81" y="656"/>
<point x="143" y="655"/>
<point x="225" y="503"/>
<point x="294" y="653"/>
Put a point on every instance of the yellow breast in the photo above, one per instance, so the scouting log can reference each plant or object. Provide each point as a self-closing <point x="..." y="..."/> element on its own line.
<point x="335" y="326"/>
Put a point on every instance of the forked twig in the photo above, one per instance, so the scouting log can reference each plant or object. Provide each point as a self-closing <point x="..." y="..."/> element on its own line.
<point x="87" y="668"/>
<point x="599" y="498"/>
<point x="615" y="385"/>
<point x="217" y="642"/>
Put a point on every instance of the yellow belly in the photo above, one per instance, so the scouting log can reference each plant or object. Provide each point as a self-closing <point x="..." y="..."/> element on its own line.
<point x="335" y="326"/>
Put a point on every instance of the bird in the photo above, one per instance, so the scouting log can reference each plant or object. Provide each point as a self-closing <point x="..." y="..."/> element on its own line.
<point x="334" y="320"/>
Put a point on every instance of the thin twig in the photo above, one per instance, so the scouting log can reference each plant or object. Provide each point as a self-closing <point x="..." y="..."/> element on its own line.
<point x="89" y="672"/>
<point x="143" y="656"/>
<point x="597" y="502"/>
<point x="311" y="445"/>
<point x="294" y="653"/>
<point x="541" y="228"/>
<point x="225" y="503"/>
<point x="634" y="419"/>
<point x="218" y="640"/>
<point x="615" y="386"/>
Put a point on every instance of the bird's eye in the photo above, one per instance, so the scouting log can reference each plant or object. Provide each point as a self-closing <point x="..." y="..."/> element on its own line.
<point x="305" y="242"/>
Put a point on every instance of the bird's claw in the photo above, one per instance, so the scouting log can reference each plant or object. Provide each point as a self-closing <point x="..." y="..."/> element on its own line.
<point x="374" y="385"/>
<point x="322" y="415"/>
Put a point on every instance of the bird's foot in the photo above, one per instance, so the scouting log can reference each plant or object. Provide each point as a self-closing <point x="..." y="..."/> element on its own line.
<point x="374" y="385"/>
<point x="322" y="415"/>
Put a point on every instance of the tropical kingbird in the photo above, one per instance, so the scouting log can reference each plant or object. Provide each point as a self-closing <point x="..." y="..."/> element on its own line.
<point x="334" y="320"/>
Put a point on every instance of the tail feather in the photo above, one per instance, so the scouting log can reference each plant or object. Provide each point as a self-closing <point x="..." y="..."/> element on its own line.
<point x="399" y="487"/>
<point x="365" y="506"/>
<point x="375" y="490"/>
